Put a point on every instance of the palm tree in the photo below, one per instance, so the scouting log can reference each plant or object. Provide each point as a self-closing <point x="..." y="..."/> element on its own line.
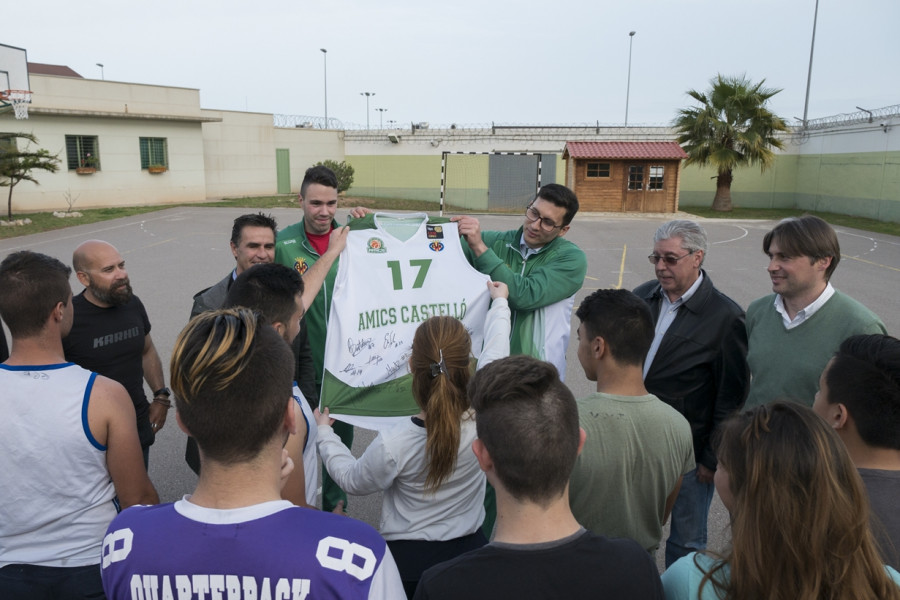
<point x="731" y="128"/>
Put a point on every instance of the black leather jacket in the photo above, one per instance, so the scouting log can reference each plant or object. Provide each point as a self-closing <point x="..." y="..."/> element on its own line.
<point x="700" y="368"/>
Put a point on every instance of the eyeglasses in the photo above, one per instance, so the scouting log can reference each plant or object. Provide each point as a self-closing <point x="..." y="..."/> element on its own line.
<point x="669" y="260"/>
<point x="547" y="225"/>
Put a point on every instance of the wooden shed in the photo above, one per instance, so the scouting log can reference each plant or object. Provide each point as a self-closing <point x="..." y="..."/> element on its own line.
<point x="625" y="176"/>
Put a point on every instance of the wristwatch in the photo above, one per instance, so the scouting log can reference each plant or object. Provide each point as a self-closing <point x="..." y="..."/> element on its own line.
<point x="162" y="392"/>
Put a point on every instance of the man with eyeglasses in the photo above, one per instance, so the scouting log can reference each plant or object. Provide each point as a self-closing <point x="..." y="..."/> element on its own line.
<point x="697" y="363"/>
<point x="542" y="269"/>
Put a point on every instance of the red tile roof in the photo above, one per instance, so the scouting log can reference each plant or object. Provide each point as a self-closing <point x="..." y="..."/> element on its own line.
<point x="45" y="69"/>
<point x="636" y="150"/>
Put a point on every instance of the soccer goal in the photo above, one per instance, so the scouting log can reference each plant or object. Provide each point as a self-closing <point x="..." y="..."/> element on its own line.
<point x="489" y="181"/>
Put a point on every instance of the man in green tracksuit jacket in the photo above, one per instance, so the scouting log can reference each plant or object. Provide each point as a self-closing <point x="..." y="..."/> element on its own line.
<point x="542" y="269"/>
<point x="300" y="247"/>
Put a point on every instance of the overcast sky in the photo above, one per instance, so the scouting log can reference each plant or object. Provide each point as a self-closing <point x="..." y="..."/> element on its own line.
<point x="473" y="61"/>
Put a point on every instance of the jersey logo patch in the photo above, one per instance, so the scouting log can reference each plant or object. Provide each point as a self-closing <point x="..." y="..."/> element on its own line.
<point x="434" y="232"/>
<point x="375" y="246"/>
<point x="301" y="266"/>
<point x="436" y="246"/>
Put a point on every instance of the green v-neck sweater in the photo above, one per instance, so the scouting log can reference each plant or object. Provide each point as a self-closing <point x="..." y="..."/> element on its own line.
<point x="785" y="364"/>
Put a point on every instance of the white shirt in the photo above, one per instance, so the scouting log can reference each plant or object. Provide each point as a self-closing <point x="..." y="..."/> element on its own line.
<point x="668" y="310"/>
<point x="805" y="313"/>
<point x="396" y="463"/>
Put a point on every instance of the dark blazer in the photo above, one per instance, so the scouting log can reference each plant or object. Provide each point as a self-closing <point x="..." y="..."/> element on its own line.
<point x="701" y="367"/>
<point x="212" y="298"/>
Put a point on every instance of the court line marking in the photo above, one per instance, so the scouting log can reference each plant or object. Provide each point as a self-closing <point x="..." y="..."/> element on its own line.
<point x="740" y="237"/>
<point x="869" y="262"/>
<point x="90" y="232"/>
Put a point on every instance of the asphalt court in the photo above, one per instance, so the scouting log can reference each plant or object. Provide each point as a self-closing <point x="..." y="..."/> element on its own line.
<point x="173" y="253"/>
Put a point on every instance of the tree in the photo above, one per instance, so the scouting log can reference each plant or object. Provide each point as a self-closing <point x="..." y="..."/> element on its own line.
<point x="342" y="170"/>
<point x="731" y="128"/>
<point x="16" y="166"/>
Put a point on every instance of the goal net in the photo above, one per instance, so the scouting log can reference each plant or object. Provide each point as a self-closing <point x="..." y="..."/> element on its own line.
<point x="489" y="181"/>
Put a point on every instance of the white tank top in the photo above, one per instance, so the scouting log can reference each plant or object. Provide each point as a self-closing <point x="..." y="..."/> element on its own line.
<point x="57" y="497"/>
<point x="310" y="454"/>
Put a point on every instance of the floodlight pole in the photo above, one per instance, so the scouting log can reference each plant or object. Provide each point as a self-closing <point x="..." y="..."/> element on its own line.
<point x="628" y="87"/>
<point x="812" y="46"/>
<point x="102" y="78"/>
<point x="367" y="95"/>
<point x="381" y="112"/>
<point x="325" y="75"/>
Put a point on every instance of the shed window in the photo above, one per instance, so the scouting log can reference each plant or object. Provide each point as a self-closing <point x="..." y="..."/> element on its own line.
<point x="82" y="151"/>
<point x="636" y="177"/>
<point x="596" y="169"/>
<point x="154" y="152"/>
<point x="656" y="178"/>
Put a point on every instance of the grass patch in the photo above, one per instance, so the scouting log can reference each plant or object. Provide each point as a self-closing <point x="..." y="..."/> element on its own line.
<point x="45" y="221"/>
<point x="774" y="214"/>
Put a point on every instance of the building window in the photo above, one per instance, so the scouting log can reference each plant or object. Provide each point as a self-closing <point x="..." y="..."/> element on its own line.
<point x="7" y="143"/>
<point x="154" y="152"/>
<point x="636" y="177"/>
<point x="598" y="169"/>
<point x="82" y="151"/>
<point x="656" y="178"/>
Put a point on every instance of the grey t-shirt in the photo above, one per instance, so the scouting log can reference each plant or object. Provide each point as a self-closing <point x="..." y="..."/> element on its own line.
<point x="884" y="491"/>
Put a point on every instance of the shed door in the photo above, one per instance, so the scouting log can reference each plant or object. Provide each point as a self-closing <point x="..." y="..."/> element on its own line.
<point x="283" y="170"/>
<point x="635" y="175"/>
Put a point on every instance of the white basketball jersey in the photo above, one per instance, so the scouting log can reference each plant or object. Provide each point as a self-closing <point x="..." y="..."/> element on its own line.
<point x="310" y="453"/>
<point x="395" y="272"/>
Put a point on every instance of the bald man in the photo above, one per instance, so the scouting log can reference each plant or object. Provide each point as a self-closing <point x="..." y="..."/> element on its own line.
<point x="111" y="335"/>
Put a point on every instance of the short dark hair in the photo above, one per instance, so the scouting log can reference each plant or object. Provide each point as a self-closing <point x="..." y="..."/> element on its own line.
<point x="806" y="236"/>
<point x="318" y="174"/>
<point x="251" y="220"/>
<point x="528" y="421"/>
<point x="624" y="322"/>
<point x="31" y="285"/>
<point x="232" y="375"/>
<point x="562" y="196"/>
<point x="269" y="288"/>
<point x="864" y="376"/>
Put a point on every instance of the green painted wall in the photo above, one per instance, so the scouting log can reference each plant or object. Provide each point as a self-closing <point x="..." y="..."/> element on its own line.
<point x="865" y="184"/>
<point x="413" y="177"/>
<point x="406" y="177"/>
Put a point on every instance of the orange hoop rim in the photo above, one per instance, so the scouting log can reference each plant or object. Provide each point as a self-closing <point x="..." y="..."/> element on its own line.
<point x="14" y="94"/>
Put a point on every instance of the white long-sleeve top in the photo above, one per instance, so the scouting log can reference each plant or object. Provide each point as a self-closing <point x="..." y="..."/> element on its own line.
<point x="395" y="462"/>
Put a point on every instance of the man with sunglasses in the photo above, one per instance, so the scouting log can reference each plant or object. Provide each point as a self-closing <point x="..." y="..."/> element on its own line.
<point x="542" y="269"/>
<point x="697" y="364"/>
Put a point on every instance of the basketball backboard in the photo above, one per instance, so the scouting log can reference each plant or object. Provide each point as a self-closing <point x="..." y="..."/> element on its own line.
<point x="13" y="68"/>
<point x="15" y="91"/>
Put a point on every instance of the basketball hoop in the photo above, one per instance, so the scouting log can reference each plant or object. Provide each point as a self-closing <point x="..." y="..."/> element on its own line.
<point x="19" y="99"/>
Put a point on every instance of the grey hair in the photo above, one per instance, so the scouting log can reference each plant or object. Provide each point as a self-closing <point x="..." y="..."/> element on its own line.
<point x="693" y="236"/>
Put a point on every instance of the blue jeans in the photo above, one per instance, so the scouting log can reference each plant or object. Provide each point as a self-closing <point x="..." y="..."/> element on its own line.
<point x="689" y="516"/>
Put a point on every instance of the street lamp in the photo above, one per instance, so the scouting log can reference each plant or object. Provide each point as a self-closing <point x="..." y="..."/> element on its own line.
<point x="381" y="112"/>
<point x="325" y="71"/>
<point x="101" y="71"/>
<point x="628" y="88"/>
<point x="367" y="94"/>
<point x="812" y="45"/>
